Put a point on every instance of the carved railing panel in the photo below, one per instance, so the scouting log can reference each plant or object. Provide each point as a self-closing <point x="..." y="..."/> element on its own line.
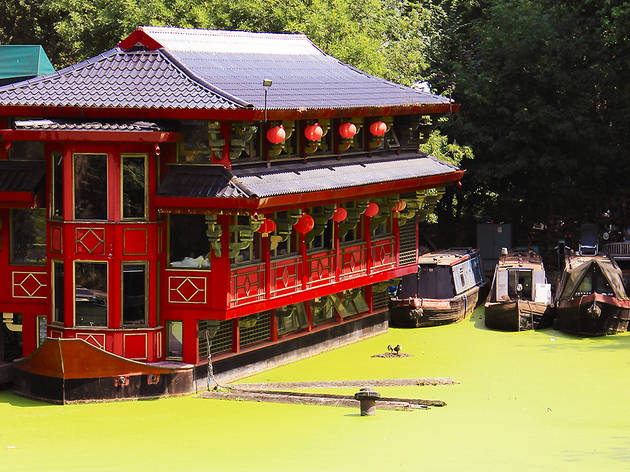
<point x="247" y="284"/>
<point x="383" y="254"/>
<point x="321" y="268"/>
<point x="286" y="276"/>
<point x="354" y="261"/>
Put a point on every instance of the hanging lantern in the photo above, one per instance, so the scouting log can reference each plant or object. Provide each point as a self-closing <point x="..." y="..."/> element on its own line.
<point x="459" y="184"/>
<point x="378" y="128"/>
<point x="340" y="215"/>
<point x="400" y="205"/>
<point x="371" y="210"/>
<point x="267" y="226"/>
<point x="276" y="135"/>
<point x="347" y="130"/>
<point x="304" y="224"/>
<point x="314" y="132"/>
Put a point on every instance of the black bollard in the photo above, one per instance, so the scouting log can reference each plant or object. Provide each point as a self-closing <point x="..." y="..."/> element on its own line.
<point x="367" y="397"/>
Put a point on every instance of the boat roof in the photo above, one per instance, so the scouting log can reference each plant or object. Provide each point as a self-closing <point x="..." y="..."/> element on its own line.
<point x="576" y="267"/>
<point x="521" y="259"/>
<point x="447" y="257"/>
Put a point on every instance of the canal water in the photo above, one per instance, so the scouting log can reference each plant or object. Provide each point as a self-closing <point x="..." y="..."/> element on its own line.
<point x="526" y="401"/>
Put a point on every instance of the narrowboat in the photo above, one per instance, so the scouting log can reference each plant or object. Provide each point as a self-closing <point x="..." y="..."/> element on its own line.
<point x="520" y="297"/>
<point x="445" y="289"/>
<point x="591" y="298"/>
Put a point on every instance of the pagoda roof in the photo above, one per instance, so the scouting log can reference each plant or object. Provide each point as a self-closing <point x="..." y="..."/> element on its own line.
<point x="163" y="68"/>
<point x="207" y="186"/>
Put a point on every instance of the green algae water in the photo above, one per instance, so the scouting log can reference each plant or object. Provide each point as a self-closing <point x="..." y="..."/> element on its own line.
<point x="527" y="401"/>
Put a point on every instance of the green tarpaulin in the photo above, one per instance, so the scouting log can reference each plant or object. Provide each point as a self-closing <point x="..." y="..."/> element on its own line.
<point x="23" y="61"/>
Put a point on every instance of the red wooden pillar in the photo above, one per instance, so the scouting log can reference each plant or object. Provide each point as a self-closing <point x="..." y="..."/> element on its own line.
<point x="220" y="274"/>
<point x="274" y="326"/>
<point x="396" y="231"/>
<point x="309" y="313"/>
<point x="29" y="333"/>
<point x="305" y="271"/>
<point x="266" y="257"/>
<point x="367" y="237"/>
<point x="336" y="246"/>
<point x="190" y="343"/>
<point x="236" y="336"/>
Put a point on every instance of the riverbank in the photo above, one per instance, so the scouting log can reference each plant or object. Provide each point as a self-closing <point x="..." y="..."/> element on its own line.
<point x="527" y="401"/>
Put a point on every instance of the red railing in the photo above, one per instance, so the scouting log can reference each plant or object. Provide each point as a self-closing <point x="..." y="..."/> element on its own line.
<point x="247" y="284"/>
<point x="285" y="276"/>
<point x="383" y="254"/>
<point x="353" y="261"/>
<point x="321" y="268"/>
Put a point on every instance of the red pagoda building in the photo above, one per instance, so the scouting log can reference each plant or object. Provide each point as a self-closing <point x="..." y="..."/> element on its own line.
<point x="195" y="192"/>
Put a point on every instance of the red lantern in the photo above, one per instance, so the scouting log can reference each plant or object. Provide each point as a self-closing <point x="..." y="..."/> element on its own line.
<point x="459" y="184"/>
<point x="304" y="224"/>
<point x="340" y="215"/>
<point x="347" y="130"/>
<point x="400" y="205"/>
<point x="314" y="132"/>
<point x="371" y="210"/>
<point x="267" y="226"/>
<point x="276" y="134"/>
<point x="378" y="128"/>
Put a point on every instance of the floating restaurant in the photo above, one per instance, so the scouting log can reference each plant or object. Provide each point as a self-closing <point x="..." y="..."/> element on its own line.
<point x="195" y="192"/>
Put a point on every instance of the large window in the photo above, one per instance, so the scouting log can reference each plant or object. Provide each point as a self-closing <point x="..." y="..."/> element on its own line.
<point x="90" y="186"/>
<point x="134" y="300"/>
<point x="350" y="302"/>
<point x="57" y="189"/>
<point x="58" y="302"/>
<point x="90" y="293"/>
<point x="519" y="284"/>
<point x="134" y="201"/>
<point x="188" y="244"/>
<point x="28" y="237"/>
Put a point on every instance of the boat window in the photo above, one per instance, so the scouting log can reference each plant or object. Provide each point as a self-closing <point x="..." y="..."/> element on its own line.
<point x="42" y="326"/>
<point x="188" y="243"/>
<point x="522" y="278"/>
<point x="134" y="186"/>
<point x="90" y="293"/>
<point x="602" y="286"/>
<point x="435" y="282"/>
<point x="90" y="186"/>
<point x="175" y="334"/>
<point x="291" y="318"/>
<point x="28" y="237"/>
<point x="134" y="294"/>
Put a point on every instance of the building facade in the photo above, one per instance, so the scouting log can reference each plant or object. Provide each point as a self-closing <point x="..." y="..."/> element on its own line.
<point x="193" y="192"/>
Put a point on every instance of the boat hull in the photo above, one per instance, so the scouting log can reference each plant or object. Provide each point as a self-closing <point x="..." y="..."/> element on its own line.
<point x="578" y="316"/>
<point x="517" y="315"/>
<point x="432" y="312"/>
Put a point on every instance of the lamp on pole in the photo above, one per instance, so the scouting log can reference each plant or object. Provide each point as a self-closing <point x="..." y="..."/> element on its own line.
<point x="266" y="84"/>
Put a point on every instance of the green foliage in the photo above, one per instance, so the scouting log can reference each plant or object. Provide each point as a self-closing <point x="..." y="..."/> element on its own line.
<point x="453" y="153"/>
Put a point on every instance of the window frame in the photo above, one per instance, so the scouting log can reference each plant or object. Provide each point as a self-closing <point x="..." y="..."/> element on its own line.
<point x="53" y="279"/>
<point x="57" y="175"/>
<point x="12" y="238"/>
<point x="145" y="192"/>
<point x="74" y="185"/>
<point x="74" y="291"/>
<point x="145" y="297"/>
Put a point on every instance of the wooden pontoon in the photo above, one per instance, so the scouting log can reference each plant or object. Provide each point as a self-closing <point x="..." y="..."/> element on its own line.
<point x="591" y="298"/>
<point x="520" y="297"/>
<point x="444" y="290"/>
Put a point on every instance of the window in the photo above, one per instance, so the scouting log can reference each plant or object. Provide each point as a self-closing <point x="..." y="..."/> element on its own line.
<point x="134" y="300"/>
<point x="90" y="293"/>
<point x="291" y="318"/>
<point x="175" y="333"/>
<point x="350" y="302"/>
<point x="28" y="237"/>
<point x="322" y="310"/>
<point x="253" y="252"/>
<point x="57" y="199"/>
<point x="522" y="278"/>
<point x="279" y="248"/>
<point x="383" y="229"/>
<point x="26" y="151"/>
<point x="90" y="186"/>
<point x="134" y="201"/>
<point x="58" y="302"/>
<point x="42" y="325"/>
<point x="324" y="240"/>
<point x="188" y="243"/>
<point x="245" y="142"/>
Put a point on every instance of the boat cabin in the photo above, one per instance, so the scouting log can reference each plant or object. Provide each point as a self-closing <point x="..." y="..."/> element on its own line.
<point x="520" y="275"/>
<point x="196" y="192"/>
<point x="443" y="274"/>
